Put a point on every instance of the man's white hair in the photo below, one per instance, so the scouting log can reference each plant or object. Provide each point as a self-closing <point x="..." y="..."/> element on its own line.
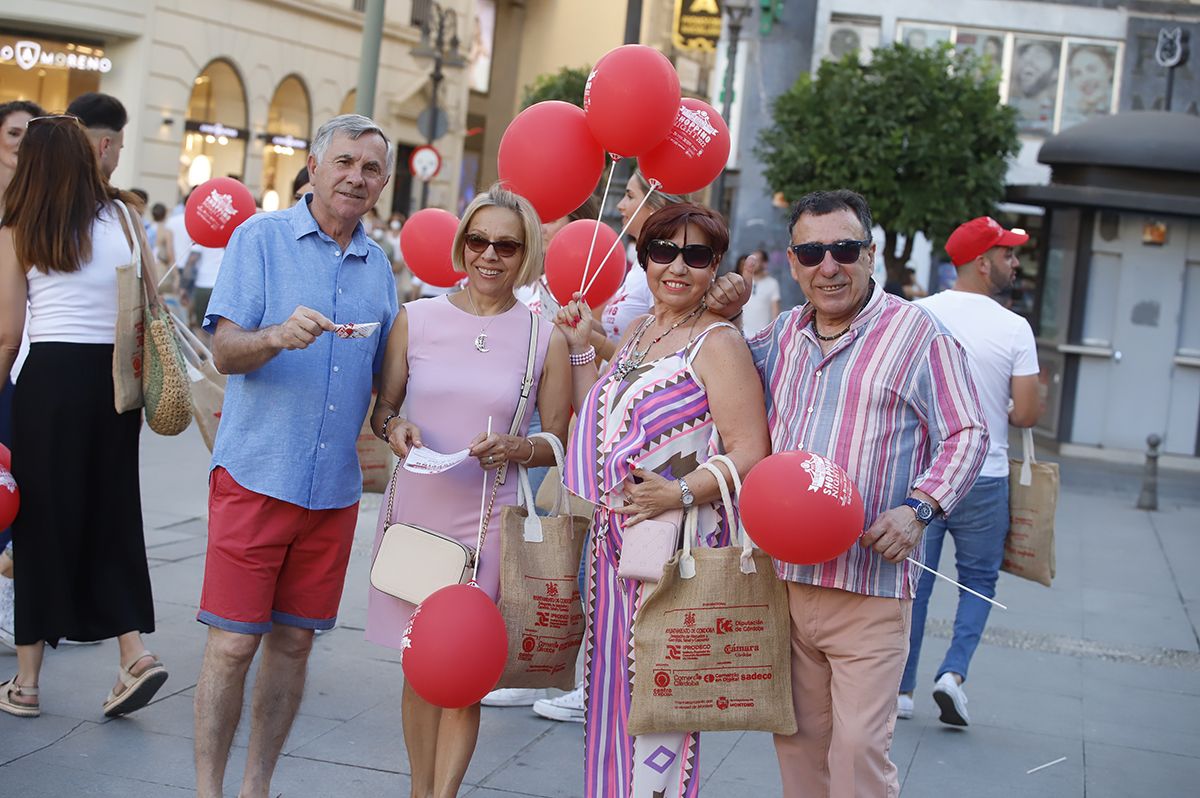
<point x="354" y="126"/>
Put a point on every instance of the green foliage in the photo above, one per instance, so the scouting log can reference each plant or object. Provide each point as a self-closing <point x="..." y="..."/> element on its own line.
<point x="566" y="84"/>
<point x="920" y="133"/>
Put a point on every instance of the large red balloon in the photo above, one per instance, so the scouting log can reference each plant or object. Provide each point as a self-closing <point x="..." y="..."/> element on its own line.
<point x="215" y="209"/>
<point x="455" y="648"/>
<point x="566" y="256"/>
<point x="426" y="241"/>
<point x="693" y="154"/>
<point x="548" y="156"/>
<point x="631" y="99"/>
<point x="801" y="508"/>
<point x="5" y="456"/>
<point x="10" y="498"/>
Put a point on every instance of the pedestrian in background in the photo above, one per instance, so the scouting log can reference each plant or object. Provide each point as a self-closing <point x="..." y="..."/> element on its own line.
<point x="763" y="305"/>
<point x="104" y="119"/>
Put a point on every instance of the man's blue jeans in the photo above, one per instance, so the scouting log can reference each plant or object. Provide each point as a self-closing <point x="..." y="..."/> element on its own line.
<point x="979" y="525"/>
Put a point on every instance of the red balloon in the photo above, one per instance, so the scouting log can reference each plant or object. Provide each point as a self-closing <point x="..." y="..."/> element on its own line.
<point x="10" y="498"/>
<point x="455" y="648"/>
<point x="801" y="508"/>
<point x="215" y="209"/>
<point x="426" y="241"/>
<point x="548" y="156"/>
<point x="565" y="262"/>
<point x="631" y="99"/>
<point x="693" y="154"/>
<point x="5" y="457"/>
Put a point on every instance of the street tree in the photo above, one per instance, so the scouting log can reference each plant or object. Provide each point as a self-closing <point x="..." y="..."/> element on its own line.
<point x="919" y="132"/>
<point x="566" y="84"/>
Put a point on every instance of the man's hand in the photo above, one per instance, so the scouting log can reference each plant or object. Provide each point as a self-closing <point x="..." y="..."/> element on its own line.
<point x="894" y="534"/>
<point x="728" y="294"/>
<point x="303" y="327"/>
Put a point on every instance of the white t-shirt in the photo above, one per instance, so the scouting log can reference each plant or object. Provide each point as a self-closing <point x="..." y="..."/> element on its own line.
<point x="999" y="346"/>
<point x="756" y="313"/>
<point x="208" y="266"/>
<point x="179" y="237"/>
<point x="80" y="307"/>
<point x="633" y="299"/>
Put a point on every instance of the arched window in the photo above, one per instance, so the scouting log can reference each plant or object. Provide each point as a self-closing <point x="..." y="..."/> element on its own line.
<point x="215" y="133"/>
<point x="349" y="102"/>
<point x="285" y="142"/>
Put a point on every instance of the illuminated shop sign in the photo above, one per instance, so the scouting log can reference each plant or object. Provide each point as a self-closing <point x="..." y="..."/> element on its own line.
<point x="285" y="140"/>
<point x="28" y="54"/>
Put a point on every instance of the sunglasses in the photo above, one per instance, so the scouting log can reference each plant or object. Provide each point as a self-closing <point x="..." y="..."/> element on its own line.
<point x="697" y="256"/>
<point x="505" y="249"/>
<point x="56" y="116"/>
<point x="844" y="252"/>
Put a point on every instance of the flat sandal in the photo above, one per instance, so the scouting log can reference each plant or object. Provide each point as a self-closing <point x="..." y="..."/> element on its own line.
<point x="7" y="704"/>
<point x="138" y="689"/>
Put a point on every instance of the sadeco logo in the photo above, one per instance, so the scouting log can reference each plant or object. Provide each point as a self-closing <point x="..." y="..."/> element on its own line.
<point x="662" y="679"/>
<point x="528" y="644"/>
<point x="724" y="626"/>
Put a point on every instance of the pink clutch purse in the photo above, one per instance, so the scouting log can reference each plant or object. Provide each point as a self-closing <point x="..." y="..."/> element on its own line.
<point x="648" y="545"/>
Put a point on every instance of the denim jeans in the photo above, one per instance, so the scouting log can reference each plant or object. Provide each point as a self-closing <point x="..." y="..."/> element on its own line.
<point x="979" y="525"/>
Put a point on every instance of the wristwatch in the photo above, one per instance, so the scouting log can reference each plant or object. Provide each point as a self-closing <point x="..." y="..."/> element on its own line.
<point x="688" y="497"/>
<point x="924" y="510"/>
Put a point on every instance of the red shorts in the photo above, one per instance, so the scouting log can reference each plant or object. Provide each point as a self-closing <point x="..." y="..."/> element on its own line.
<point x="270" y="561"/>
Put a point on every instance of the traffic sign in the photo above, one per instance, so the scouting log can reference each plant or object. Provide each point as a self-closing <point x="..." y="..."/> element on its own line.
<point x="424" y="163"/>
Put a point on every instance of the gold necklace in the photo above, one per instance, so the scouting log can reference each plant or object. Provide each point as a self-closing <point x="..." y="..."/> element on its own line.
<point x="636" y="358"/>
<point x="481" y="339"/>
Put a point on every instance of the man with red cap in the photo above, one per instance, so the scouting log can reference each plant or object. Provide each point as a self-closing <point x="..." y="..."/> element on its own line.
<point x="1003" y="362"/>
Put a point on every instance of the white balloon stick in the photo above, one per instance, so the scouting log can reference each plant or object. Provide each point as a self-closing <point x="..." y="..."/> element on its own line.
<point x="596" y="230"/>
<point x="482" y="507"/>
<point x="654" y="184"/>
<point x="924" y="567"/>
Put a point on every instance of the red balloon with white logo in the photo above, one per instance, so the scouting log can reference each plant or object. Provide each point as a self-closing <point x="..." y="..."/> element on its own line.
<point x="631" y="99"/>
<point x="5" y="456"/>
<point x="426" y="241"/>
<point x="568" y="268"/>
<point x="215" y="209"/>
<point x="10" y="498"/>
<point x="801" y="508"/>
<point x="694" y="152"/>
<point x="454" y="650"/>
<point x="548" y="156"/>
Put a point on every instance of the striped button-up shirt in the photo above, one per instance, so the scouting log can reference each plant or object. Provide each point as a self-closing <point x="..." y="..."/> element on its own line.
<point x="892" y="403"/>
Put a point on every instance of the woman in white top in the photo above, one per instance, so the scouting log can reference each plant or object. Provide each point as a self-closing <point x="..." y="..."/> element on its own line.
<point x="83" y="573"/>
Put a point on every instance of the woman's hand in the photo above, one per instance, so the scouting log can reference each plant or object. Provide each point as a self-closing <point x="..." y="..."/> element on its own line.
<point x="403" y="436"/>
<point x="653" y="496"/>
<point x="575" y="321"/>
<point x="494" y="450"/>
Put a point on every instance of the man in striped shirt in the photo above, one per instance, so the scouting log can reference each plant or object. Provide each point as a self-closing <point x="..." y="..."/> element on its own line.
<point x="876" y="385"/>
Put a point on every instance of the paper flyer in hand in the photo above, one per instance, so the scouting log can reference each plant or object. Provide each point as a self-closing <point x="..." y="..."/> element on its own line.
<point x="427" y="461"/>
<point x="351" y="330"/>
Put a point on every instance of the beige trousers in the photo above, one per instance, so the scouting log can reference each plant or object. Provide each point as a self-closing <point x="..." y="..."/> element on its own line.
<point x="848" y="653"/>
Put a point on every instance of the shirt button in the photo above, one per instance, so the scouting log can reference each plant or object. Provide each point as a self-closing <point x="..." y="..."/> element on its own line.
<point x="336" y="369"/>
<point x="810" y="408"/>
<point x="331" y="407"/>
<point x="818" y="374"/>
<point x="322" y="446"/>
<point x="337" y="253"/>
<point x="339" y="290"/>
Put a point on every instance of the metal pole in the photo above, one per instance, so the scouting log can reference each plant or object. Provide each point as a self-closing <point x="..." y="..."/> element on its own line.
<point x="1170" y="88"/>
<point x="435" y="81"/>
<point x="633" y="22"/>
<point x="368" y="64"/>
<point x="735" y="32"/>
<point x="1148" y="498"/>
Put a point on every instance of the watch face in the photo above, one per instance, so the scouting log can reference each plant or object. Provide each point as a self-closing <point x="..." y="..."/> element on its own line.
<point x="925" y="512"/>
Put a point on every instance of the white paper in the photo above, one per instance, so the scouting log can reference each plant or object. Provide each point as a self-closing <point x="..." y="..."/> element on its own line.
<point x="351" y="330"/>
<point x="428" y="461"/>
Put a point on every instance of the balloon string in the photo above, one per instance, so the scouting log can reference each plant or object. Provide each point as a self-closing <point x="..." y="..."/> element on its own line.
<point x="924" y="567"/>
<point x="483" y="502"/>
<point x="587" y="264"/>
<point x="654" y="184"/>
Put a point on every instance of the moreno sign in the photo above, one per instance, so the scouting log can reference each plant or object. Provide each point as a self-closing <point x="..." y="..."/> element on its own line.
<point x="28" y="54"/>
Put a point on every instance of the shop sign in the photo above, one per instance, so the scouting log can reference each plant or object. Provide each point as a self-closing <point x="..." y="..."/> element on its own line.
<point x="697" y="25"/>
<point x="214" y="129"/>
<point x="29" y="54"/>
<point x="285" y="140"/>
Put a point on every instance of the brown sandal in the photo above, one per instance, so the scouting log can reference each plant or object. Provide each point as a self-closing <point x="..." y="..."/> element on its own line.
<point x="138" y="689"/>
<point x="7" y="704"/>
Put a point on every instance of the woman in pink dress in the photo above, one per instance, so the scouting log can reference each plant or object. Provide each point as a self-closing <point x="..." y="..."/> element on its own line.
<point x="459" y="360"/>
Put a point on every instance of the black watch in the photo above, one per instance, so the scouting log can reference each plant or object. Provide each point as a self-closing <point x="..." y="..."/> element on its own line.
<point x="924" y="510"/>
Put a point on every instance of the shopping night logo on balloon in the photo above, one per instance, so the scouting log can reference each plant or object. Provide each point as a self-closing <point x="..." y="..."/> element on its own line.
<point x="217" y="209"/>
<point x="827" y="481"/>
<point x="693" y="131"/>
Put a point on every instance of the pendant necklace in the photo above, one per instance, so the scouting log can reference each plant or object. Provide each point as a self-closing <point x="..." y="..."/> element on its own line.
<point x="636" y="358"/>
<point x="835" y="336"/>
<point x="481" y="339"/>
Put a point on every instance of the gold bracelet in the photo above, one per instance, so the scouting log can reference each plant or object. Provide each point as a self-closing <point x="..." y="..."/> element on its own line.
<point x="532" y="452"/>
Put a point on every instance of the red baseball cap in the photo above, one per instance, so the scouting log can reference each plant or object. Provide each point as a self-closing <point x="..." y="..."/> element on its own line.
<point x="971" y="239"/>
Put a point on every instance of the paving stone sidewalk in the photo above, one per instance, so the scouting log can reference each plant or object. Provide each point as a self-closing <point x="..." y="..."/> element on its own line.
<point x="1101" y="672"/>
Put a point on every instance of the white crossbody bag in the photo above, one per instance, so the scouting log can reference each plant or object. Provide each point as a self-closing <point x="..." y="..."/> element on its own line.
<point x="414" y="561"/>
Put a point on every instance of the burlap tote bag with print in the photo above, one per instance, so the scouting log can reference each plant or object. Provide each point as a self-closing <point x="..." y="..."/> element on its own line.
<point x="1032" y="501"/>
<point x="539" y="590"/>
<point x="712" y="644"/>
<point x="128" y="341"/>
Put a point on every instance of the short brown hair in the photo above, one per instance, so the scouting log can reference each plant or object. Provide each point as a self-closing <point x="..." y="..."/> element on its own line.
<point x="667" y="221"/>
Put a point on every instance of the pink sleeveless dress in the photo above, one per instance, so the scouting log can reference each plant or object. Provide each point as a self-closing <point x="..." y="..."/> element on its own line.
<point x="452" y="389"/>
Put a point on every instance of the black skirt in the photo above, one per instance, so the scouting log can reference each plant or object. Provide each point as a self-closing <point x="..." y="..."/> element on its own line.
<point x="80" y="556"/>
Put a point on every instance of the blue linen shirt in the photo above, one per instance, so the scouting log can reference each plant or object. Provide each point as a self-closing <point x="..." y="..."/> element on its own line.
<point x="288" y="429"/>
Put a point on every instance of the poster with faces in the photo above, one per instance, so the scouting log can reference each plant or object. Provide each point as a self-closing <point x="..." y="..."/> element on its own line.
<point x="1033" y="85"/>
<point x="1088" y="89"/>
<point x="987" y="44"/>
<point x="921" y="36"/>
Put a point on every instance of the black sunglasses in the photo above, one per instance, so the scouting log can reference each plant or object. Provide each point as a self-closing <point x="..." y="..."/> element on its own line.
<point x="844" y="252"/>
<point x="698" y="256"/>
<point x="505" y="249"/>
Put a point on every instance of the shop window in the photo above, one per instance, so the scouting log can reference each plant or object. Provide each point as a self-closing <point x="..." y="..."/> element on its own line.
<point x="285" y="142"/>
<point x="1033" y="83"/>
<point x="49" y="72"/>
<point x="1088" y="89"/>
<point x="214" y="143"/>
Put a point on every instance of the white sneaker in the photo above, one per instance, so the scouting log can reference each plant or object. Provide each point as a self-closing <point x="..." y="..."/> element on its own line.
<point x="951" y="699"/>
<point x="904" y="706"/>
<point x="513" y="697"/>
<point x="567" y="707"/>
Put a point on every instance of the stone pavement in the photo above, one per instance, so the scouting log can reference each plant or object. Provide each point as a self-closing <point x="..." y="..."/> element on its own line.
<point x="1103" y="669"/>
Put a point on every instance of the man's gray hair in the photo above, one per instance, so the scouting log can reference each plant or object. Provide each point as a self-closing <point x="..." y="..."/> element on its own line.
<point x="355" y="126"/>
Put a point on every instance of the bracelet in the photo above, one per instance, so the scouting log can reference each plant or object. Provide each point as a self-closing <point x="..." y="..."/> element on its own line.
<point x="532" y="452"/>
<point x="583" y="358"/>
<point x="383" y="435"/>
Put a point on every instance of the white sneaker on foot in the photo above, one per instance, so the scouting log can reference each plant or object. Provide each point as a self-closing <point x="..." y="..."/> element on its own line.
<point x="513" y="697"/>
<point x="904" y="706"/>
<point x="951" y="699"/>
<point x="567" y="707"/>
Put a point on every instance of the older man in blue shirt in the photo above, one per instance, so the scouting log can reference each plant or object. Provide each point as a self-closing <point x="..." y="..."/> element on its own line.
<point x="285" y="481"/>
